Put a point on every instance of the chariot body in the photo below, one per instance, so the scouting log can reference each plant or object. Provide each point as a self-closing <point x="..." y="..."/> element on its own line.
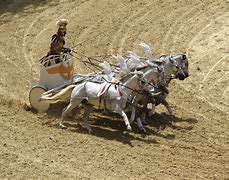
<point x="51" y="75"/>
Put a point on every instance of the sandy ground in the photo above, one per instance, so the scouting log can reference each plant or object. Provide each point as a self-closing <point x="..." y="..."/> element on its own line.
<point x="193" y="145"/>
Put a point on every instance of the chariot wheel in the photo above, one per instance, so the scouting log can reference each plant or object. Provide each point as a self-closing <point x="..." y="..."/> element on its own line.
<point x="34" y="99"/>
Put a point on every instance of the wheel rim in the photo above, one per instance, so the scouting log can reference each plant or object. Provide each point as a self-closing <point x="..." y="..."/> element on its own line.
<point x="34" y="99"/>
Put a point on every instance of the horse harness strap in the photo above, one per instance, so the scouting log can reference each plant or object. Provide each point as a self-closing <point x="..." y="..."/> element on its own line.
<point x="103" y="98"/>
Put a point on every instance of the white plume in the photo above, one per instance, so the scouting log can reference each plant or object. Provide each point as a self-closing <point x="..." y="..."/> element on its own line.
<point x="147" y="51"/>
<point x="135" y="60"/>
<point x="61" y="22"/>
<point x="106" y="67"/>
<point x="122" y="64"/>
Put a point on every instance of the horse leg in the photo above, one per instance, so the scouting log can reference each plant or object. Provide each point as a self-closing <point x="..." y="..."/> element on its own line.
<point x="87" y="111"/>
<point x="132" y="117"/>
<point x="73" y="103"/>
<point x="168" y="107"/>
<point x="70" y="114"/>
<point x="125" y="118"/>
<point x="143" y="116"/>
<point x="153" y="110"/>
<point x="143" y="119"/>
<point x="140" y="126"/>
<point x="117" y="107"/>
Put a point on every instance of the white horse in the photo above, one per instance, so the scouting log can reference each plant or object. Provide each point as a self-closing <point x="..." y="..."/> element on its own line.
<point x="155" y="77"/>
<point x="115" y="96"/>
<point x="175" y="67"/>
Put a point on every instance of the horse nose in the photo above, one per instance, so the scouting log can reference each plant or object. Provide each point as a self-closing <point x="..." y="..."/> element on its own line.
<point x="184" y="57"/>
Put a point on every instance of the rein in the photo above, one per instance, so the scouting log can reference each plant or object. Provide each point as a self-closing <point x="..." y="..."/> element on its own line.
<point x="92" y="58"/>
<point x="97" y="67"/>
<point x="122" y="85"/>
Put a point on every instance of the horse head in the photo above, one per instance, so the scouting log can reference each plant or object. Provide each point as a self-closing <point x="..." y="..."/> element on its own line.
<point x="176" y="65"/>
<point x="181" y="62"/>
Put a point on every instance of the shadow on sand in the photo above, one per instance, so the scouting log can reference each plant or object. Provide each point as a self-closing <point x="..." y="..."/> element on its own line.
<point x="110" y="126"/>
<point x="16" y="6"/>
<point x="163" y="120"/>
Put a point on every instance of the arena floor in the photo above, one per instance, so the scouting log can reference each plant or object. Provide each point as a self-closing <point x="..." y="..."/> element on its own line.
<point x="193" y="145"/>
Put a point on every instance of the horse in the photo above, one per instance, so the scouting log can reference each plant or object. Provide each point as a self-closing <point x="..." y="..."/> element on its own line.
<point x="115" y="96"/>
<point x="175" y="67"/>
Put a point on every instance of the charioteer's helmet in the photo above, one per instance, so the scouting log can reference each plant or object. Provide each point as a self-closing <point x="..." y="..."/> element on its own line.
<point x="61" y="25"/>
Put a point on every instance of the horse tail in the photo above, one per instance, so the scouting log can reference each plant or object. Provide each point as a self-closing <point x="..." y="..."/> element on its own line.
<point x="61" y="96"/>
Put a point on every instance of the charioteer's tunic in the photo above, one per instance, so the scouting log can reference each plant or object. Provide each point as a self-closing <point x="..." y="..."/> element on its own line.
<point x="57" y="45"/>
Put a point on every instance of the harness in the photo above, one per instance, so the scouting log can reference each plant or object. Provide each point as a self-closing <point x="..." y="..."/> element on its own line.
<point x="117" y="85"/>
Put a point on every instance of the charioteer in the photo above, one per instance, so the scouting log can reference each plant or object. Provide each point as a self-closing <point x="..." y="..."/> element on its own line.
<point x="57" y="44"/>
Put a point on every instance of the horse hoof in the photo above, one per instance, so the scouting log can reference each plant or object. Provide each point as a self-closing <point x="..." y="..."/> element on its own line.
<point x="62" y="126"/>
<point x="129" y="128"/>
<point x="89" y="130"/>
<point x="142" y="130"/>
